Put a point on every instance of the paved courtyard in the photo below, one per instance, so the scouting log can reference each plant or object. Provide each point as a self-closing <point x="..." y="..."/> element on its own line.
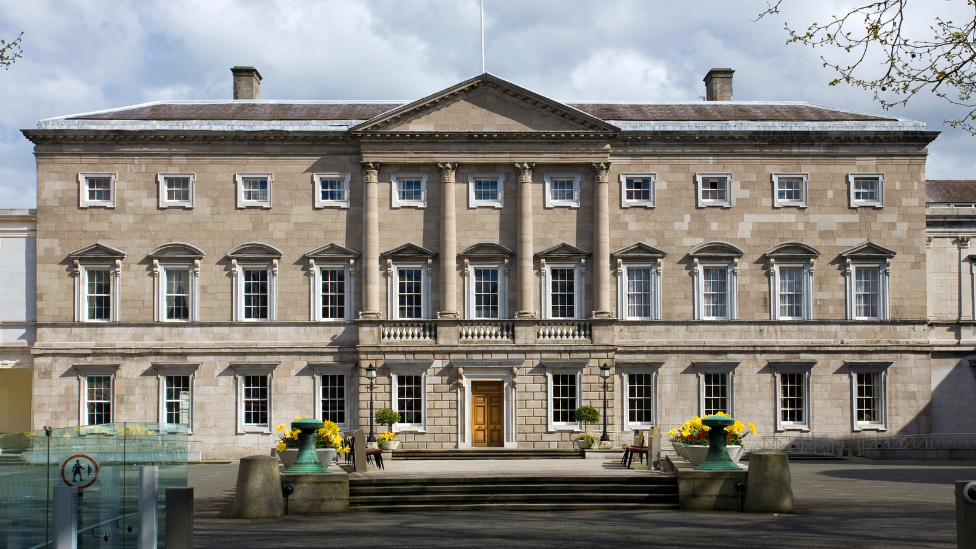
<point x="848" y="504"/>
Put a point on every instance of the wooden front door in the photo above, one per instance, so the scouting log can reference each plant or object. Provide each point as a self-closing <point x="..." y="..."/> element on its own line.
<point x="487" y="413"/>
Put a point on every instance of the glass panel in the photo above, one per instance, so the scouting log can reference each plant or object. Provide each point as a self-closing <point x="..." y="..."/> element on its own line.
<point x="98" y="399"/>
<point x="486" y="189"/>
<point x="410" y="398"/>
<point x="867" y="292"/>
<point x="99" y="294"/>
<point x="563" y="292"/>
<point x="790" y="292"/>
<point x="177" y="189"/>
<point x="714" y="189"/>
<point x="485" y="293"/>
<point x="255" y="400"/>
<point x="334" y="398"/>
<point x="869" y="397"/>
<point x="789" y="189"/>
<point x="563" y="189"/>
<point x="334" y="294"/>
<point x="640" y="398"/>
<point x="178" y="399"/>
<point x="563" y="397"/>
<point x="410" y="190"/>
<point x="256" y="294"/>
<point x="177" y="294"/>
<point x="255" y="189"/>
<point x="716" y="394"/>
<point x="332" y="190"/>
<point x="866" y="189"/>
<point x="638" y="292"/>
<point x="792" y="397"/>
<point x="715" y="295"/>
<point x="410" y="293"/>
<point x="638" y="189"/>
<point x="99" y="189"/>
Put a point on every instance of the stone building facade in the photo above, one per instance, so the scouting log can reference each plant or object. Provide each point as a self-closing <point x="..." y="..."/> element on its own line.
<point x="17" y="316"/>
<point x="235" y="264"/>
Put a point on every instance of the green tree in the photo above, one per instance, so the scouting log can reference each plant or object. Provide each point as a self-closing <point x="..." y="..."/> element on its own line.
<point x="10" y="52"/>
<point x="388" y="417"/>
<point x="943" y="63"/>
<point x="586" y="415"/>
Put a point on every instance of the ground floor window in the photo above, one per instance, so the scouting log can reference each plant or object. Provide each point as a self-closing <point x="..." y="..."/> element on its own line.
<point x="333" y="398"/>
<point x="98" y="401"/>
<point x="869" y="395"/>
<point x="178" y="399"/>
<point x="255" y="400"/>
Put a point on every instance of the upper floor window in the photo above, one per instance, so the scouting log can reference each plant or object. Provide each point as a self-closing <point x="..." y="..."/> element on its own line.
<point x="714" y="189"/>
<point x="564" y="291"/>
<point x="177" y="292"/>
<point x="868" y="268"/>
<point x="486" y="280"/>
<point x="335" y="294"/>
<point x="715" y="269"/>
<point x="640" y="287"/>
<point x="175" y="190"/>
<point x="408" y="270"/>
<point x="176" y="274"/>
<point x="866" y="190"/>
<point x="562" y="190"/>
<point x="409" y="190"/>
<point x="254" y="271"/>
<point x="96" y="272"/>
<point x="254" y="190"/>
<point x="791" y="280"/>
<point x="486" y="190"/>
<point x="790" y="190"/>
<point x="96" y="190"/>
<point x="331" y="190"/>
<point x="637" y="190"/>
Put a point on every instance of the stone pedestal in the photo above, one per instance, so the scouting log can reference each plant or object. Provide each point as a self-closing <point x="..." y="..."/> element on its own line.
<point x="317" y="493"/>
<point x="258" y="493"/>
<point x="769" y="488"/>
<point x="707" y="490"/>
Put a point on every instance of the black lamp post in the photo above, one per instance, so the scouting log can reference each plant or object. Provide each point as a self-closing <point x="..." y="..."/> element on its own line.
<point x="371" y="376"/>
<point x="605" y="374"/>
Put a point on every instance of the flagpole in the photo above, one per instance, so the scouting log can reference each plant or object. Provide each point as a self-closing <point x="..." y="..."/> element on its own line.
<point x="482" y="36"/>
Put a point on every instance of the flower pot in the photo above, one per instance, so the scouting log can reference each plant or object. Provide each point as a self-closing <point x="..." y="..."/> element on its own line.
<point x="582" y="444"/>
<point x="288" y="457"/>
<point x="679" y="449"/>
<point x="696" y="454"/>
<point x="735" y="452"/>
<point x="391" y="445"/>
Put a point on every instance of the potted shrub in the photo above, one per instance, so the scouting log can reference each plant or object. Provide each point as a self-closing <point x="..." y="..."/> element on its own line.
<point x="585" y="441"/>
<point x="587" y="415"/>
<point x="388" y="417"/>
<point x="329" y="443"/>
<point x="691" y="440"/>
<point x="388" y="441"/>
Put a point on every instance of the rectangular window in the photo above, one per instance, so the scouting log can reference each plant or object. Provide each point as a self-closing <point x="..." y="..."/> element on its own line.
<point x="331" y="190"/>
<point x="98" y="294"/>
<point x="562" y="190"/>
<point x="715" y="292"/>
<point x="409" y="190"/>
<point x="177" y="294"/>
<point x="486" y="292"/>
<point x="410" y="398"/>
<point x="790" y="190"/>
<point x="640" y="399"/>
<point x="177" y="189"/>
<point x="639" y="293"/>
<point x="564" y="398"/>
<point x="791" y="293"/>
<point x="99" y="189"/>
<point x="255" y="399"/>
<point x="792" y="398"/>
<point x="333" y="398"/>
<point x="715" y="393"/>
<point x="254" y="190"/>
<point x="255" y="294"/>
<point x="637" y="190"/>
<point x="410" y="293"/>
<point x="867" y="293"/>
<point x="868" y="397"/>
<point x="98" y="399"/>
<point x="333" y="293"/>
<point x="177" y="401"/>
<point x="486" y="189"/>
<point x="866" y="190"/>
<point x="562" y="292"/>
<point x="714" y="190"/>
<point x="96" y="190"/>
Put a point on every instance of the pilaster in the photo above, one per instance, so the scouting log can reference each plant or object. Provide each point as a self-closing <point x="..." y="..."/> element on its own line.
<point x="526" y="300"/>
<point x="448" y="258"/>
<point x="371" y="261"/>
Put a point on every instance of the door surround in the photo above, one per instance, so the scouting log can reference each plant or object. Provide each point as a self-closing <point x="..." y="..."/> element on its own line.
<point x="505" y="371"/>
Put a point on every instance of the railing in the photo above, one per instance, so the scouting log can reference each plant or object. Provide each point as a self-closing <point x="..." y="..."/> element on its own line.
<point x="408" y="330"/>
<point x="564" y="330"/>
<point x="486" y="330"/>
<point x="794" y="445"/>
<point x="944" y="441"/>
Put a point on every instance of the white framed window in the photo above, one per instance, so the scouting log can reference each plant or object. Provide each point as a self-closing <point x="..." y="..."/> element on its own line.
<point x="99" y="399"/>
<point x="408" y="190"/>
<point x="96" y="190"/>
<point x="97" y="293"/>
<point x="255" y="289"/>
<point x="716" y="387"/>
<point x="791" y="288"/>
<point x="409" y="397"/>
<point x="254" y="190"/>
<point x="792" y="395"/>
<point x="869" y="395"/>
<point x="409" y="291"/>
<point x="640" y="398"/>
<point x="176" y="392"/>
<point x="790" y="190"/>
<point x="254" y="395"/>
<point x="563" y="295"/>
<point x="331" y="190"/>
<point x="333" y="397"/>
<point x="639" y="291"/>
<point x="866" y="189"/>
<point x="867" y="291"/>
<point x="177" y="290"/>
<point x="715" y="290"/>
<point x="714" y="190"/>
<point x="333" y="288"/>
<point x="176" y="189"/>
<point x="637" y="190"/>
<point x="562" y="190"/>
<point x="486" y="190"/>
<point x="564" y="398"/>
<point x="486" y="291"/>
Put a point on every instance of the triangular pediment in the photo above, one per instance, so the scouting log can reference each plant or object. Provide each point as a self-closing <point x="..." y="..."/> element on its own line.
<point x="97" y="251"/>
<point x="254" y="250"/>
<point x="792" y="250"/>
<point x="715" y="249"/>
<point x="560" y="251"/>
<point x="409" y="250"/>
<point x="485" y="250"/>
<point x="332" y="251"/>
<point x="486" y="103"/>
<point x="638" y="251"/>
<point x="177" y="250"/>
<point x="867" y="250"/>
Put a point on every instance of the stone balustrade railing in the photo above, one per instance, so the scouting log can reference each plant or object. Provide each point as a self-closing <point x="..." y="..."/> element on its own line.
<point x="564" y="330"/>
<point x="409" y="330"/>
<point x="487" y="330"/>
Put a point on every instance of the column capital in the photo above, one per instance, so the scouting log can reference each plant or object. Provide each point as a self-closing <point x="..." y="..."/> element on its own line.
<point x="447" y="171"/>
<point x="601" y="171"/>
<point x="370" y="171"/>
<point x="524" y="171"/>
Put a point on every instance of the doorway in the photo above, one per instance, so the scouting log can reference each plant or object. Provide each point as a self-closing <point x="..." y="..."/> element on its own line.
<point x="487" y="414"/>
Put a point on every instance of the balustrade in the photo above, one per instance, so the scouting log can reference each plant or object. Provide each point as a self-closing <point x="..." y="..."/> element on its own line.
<point x="487" y="330"/>
<point x="409" y="330"/>
<point x="563" y="330"/>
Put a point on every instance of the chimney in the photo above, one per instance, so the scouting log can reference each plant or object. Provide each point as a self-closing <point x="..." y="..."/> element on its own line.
<point x="247" y="83"/>
<point x="718" y="85"/>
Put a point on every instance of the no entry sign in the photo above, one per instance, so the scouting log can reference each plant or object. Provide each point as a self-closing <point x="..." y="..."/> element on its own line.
<point x="79" y="470"/>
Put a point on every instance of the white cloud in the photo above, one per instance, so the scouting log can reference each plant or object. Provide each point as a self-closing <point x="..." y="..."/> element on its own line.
<point x="619" y="75"/>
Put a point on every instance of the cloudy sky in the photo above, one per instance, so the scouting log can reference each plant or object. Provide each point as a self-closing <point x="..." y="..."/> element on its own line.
<point x="88" y="55"/>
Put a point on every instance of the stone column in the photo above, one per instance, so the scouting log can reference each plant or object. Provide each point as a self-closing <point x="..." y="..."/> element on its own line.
<point x="526" y="301"/>
<point x="371" y="240"/>
<point x="448" y="242"/>
<point x="601" y="240"/>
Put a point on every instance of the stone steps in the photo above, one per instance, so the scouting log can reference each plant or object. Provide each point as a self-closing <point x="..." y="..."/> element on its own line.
<point x="513" y="493"/>
<point x="489" y="454"/>
<point x="12" y="459"/>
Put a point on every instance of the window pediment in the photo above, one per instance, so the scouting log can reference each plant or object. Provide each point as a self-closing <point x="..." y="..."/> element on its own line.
<point x="177" y="250"/>
<point x="485" y="250"/>
<point x="409" y="251"/>
<point x="562" y="251"/>
<point x="638" y="251"/>
<point x="867" y="250"/>
<point x="792" y="250"/>
<point x="332" y="251"/>
<point x="97" y="252"/>
<point x="716" y="249"/>
<point x="254" y="250"/>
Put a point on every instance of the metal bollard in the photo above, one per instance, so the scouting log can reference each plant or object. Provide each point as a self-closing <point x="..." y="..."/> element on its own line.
<point x="179" y="518"/>
<point x="65" y="517"/>
<point x="966" y="514"/>
<point x="148" y="498"/>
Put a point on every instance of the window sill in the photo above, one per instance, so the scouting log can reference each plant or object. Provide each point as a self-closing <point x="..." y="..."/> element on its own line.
<point x="419" y="430"/>
<point x="639" y="205"/>
<point x="805" y="429"/>
<point x="255" y="430"/>
<point x="565" y="429"/>
<point x="801" y="206"/>
<point x="875" y="206"/>
<point x="178" y="206"/>
<point x="716" y="205"/>
<point x="332" y="205"/>
<point x="565" y="205"/>
<point x="870" y="428"/>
